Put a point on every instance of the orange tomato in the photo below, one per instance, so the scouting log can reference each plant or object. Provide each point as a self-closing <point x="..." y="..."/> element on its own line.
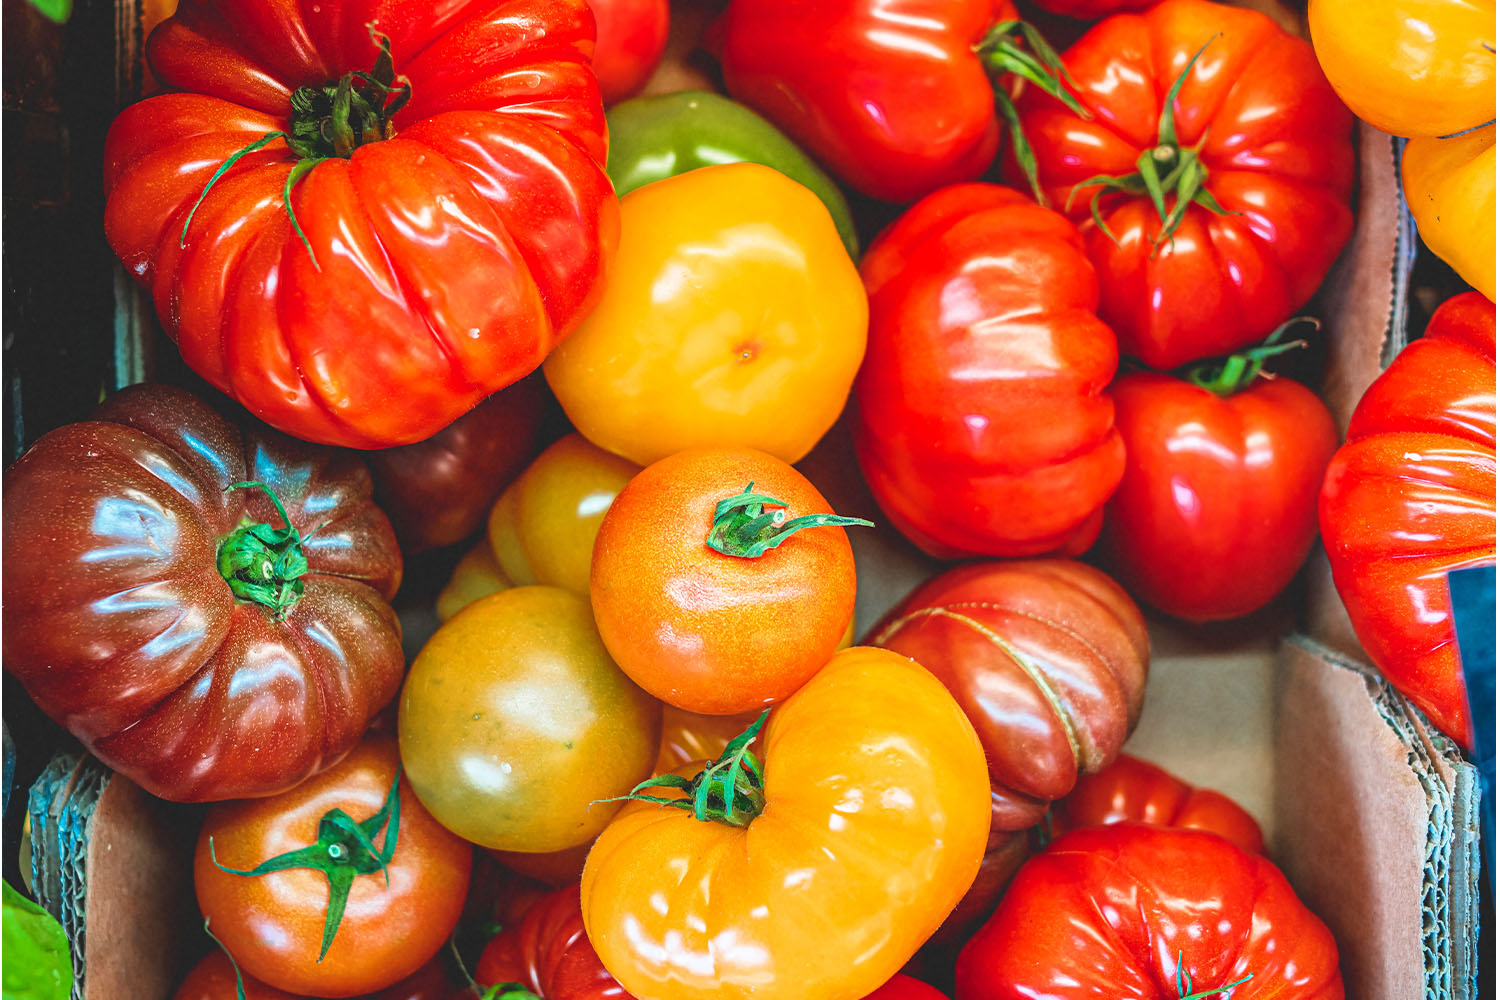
<point x="874" y="819"/>
<point x="708" y="631"/>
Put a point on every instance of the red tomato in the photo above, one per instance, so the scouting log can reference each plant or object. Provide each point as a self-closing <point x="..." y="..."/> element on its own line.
<point x="447" y="236"/>
<point x="631" y="37"/>
<point x="1117" y="911"/>
<point x="1090" y="10"/>
<point x="1133" y="791"/>
<point x="549" y="954"/>
<point x="1255" y="124"/>
<point x="213" y="979"/>
<point x="1411" y="497"/>
<point x="901" y="987"/>
<point x="983" y="425"/>
<point x="1219" y="504"/>
<point x="275" y="924"/>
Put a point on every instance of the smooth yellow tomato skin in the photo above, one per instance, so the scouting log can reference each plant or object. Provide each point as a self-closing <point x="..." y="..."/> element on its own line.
<point x="733" y="316"/>
<point x="1450" y="187"/>
<point x="476" y="575"/>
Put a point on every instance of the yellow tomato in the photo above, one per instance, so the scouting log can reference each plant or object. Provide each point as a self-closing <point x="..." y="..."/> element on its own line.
<point x="1450" y="186"/>
<point x="874" y="811"/>
<point x="1409" y="67"/>
<point x="476" y="575"/>
<point x="732" y="317"/>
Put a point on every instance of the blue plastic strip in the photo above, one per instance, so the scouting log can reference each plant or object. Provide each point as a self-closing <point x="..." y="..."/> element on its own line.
<point x="1473" y="594"/>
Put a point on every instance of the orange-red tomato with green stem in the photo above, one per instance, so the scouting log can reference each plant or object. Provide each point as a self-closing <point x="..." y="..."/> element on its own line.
<point x="721" y="580"/>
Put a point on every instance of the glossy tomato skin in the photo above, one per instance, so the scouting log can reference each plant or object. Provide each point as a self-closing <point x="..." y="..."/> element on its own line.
<point x="874" y="823"/>
<point x="549" y="954"/>
<point x="135" y="642"/>
<point x="213" y="979"/>
<point x="1449" y="184"/>
<point x="446" y="261"/>
<point x="1091" y="10"/>
<point x="1048" y="659"/>
<point x="1410" y="497"/>
<point x="892" y="98"/>
<point x="1277" y="147"/>
<point x="983" y="425"/>
<point x="1132" y="790"/>
<point x="901" y="987"/>
<point x="688" y="736"/>
<point x="705" y="631"/>
<point x="631" y="37"/>
<point x="273" y="924"/>
<point x="1105" y="913"/>
<point x="1219" y="504"/>
<point x="514" y="722"/>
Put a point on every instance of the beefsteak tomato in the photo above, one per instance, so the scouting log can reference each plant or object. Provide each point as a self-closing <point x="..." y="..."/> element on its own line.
<point x="549" y="954"/>
<point x="208" y="636"/>
<point x="631" y="37"/>
<point x="983" y="426"/>
<point x="1449" y="183"/>
<point x="360" y="219"/>
<point x="905" y="988"/>
<point x="1411" y="497"/>
<point x="1133" y="912"/>
<point x="1217" y="167"/>
<point x="829" y="864"/>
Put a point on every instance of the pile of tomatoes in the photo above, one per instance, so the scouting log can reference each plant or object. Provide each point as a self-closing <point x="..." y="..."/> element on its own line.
<point x="643" y="754"/>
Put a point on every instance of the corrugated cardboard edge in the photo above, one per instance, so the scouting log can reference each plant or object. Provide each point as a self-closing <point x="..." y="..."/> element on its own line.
<point x="1376" y="827"/>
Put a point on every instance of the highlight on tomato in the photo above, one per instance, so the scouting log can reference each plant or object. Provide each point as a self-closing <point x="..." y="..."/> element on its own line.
<point x="630" y="37"/>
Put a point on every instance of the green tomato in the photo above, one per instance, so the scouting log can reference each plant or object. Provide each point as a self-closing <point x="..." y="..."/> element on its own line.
<point x="38" y="965"/>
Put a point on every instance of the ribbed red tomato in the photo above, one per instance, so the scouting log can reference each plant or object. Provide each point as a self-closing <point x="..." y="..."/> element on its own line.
<point x="631" y="39"/>
<point x="549" y="954"/>
<point x="424" y="216"/>
<point x="1410" y="497"/>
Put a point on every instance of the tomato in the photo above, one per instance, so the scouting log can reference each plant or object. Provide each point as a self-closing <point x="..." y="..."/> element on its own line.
<point x="213" y="979"/>
<point x="867" y="827"/>
<point x="901" y="987"/>
<point x="438" y="491"/>
<point x="275" y="923"/>
<point x="549" y="954"/>
<point x="631" y="37"/>
<point x="552" y="868"/>
<point x="1410" y="497"/>
<point x="687" y="737"/>
<point x="514" y="721"/>
<point x="1089" y="10"/>
<point x="1254" y="154"/>
<point x="983" y="426"/>
<point x="209" y="642"/>
<point x="1409" y="67"/>
<point x="1133" y="791"/>
<point x="1003" y="855"/>
<point x="476" y="575"/>
<point x="721" y="580"/>
<point x="1450" y="187"/>
<point x="434" y="245"/>
<point x="1048" y="658"/>
<point x="1219" y="504"/>
<point x="733" y="317"/>
<point x="1120" y="911"/>
<point x="896" y="101"/>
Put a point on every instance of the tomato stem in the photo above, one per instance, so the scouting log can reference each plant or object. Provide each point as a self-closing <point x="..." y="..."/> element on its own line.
<point x="730" y="789"/>
<point x="344" y="849"/>
<point x="239" y="980"/>
<point x="743" y="528"/>
<point x="264" y="564"/>
<point x="1185" y="985"/>
<point x="1226" y="376"/>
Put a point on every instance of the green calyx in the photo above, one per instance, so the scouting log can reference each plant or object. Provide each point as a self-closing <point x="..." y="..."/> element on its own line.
<point x="329" y="122"/>
<point x="1185" y="985"/>
<point x="1015" y="47"/>
<point x="344" y="850"/>
<point x="508" y="991"/>
<point x="264" y="564"/>
<point x="745" y="529"/>
<point x="239" y="979"/>
<point x="1226" y="376"/>
<point x="728" y="790"/>
<point x="1165" y="169"/>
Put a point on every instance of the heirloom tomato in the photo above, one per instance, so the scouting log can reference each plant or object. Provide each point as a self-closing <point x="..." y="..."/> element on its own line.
<point x="826" y="853"/>
<point x="983" y="426"/>
<point x="204" y="607"/>
<point x="1005" y="852"/>
<point x="514" y="722"/>
<point x="1090" y="10"/>
<point x="1133" y="912"/>
<point x="1219" y="504"/>
<point x="722" y="580"/>
<point x="359" y="219"/>
<point x="549" y="954"/>
<point x="733" y="316"/>
<point x="1410" y="497"/>
<point x="550" y="868"/>
<point x="1216" y="168"/>
<point x="897" y="100"/>
<point x="213" y="979"/>
<point x="631" y="36"/>
<point x="1048" y="659"/>
<point x="1133" y="791"/>
<point x="1450" y="187"/>
<point x="905" y="988"/>
<point x="341" y="886"/>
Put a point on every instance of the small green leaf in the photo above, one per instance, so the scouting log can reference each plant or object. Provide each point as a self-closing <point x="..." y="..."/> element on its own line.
<point x="38" y="965"/>
<point x="57" y="11"/>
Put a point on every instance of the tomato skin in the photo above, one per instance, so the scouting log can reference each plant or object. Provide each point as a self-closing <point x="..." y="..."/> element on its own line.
<point x="1450" y="186"/>
<point x="631" y="37"/>
<point x="446" y="261"/>
<point x="1091" y="10"/>
<point x="549" y="954"/>
<point x="1410" y="497"/>
<point x="1132" y="790"/>
<point x="213" y="979"/>
<point x="1279" y="156"/>
<point x="895" y="104"/>
<point x="1219" y="504"/>
<point x="1006" y="852"/>
<point x="514" y="720"/>
<point x="708" y="632"/>
<point x="983" y="425"/>
<point x="901" y="987"/>
<point x="875" y="880"/>
<point x="273" y="924"/>
<point x="134" y="640"/>
<point x="1106" y="912"/>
